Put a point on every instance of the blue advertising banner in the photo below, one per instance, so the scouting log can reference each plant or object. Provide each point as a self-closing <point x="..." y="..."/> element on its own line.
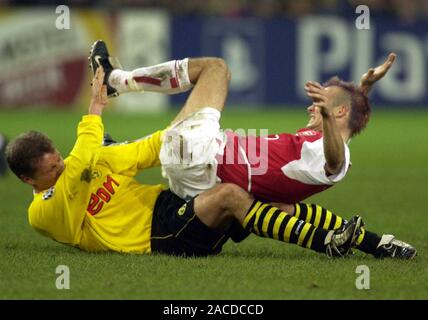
<point x="270" y="60"/>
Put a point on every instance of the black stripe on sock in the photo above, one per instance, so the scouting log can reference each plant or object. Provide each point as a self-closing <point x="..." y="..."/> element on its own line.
<point x="293" y="236"/>
<point x="318" y="240"/>
<point x="369" y="243"/>
<point x="314" y="213"/>
<point x="262" y="216"/>
<point x="272" y="221"/>
<point x="250" y="224"/>
<point x="281" y="230"/>
<point x="303" y="211"/>
<point x="252" y="206"/>
<point x="323" y="216"/>
<point x="332" y="222"/>
<point x="308" y="235"/>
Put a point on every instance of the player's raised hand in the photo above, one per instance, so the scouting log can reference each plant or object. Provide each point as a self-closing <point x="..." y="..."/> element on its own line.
<point x="375" y="74"/>
<point x="99" y="93"/>
<point x="318" y="94"/>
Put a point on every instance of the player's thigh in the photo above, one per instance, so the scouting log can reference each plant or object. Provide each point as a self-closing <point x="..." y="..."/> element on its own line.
<point x="188" y="153"/>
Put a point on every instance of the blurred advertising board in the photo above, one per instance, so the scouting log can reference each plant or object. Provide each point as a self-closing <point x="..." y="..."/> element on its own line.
<point x="41" y="65"/>
<point x="271" y="60"/>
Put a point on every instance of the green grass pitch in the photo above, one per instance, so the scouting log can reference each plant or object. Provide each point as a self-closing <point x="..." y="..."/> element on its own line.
<point x="387" y="185"/>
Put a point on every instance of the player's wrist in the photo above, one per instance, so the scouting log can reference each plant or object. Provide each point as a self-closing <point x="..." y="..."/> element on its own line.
<point x="96" y="108"/>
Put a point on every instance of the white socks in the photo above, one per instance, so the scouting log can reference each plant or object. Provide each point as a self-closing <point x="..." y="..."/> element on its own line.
<point x="169" y="77"/>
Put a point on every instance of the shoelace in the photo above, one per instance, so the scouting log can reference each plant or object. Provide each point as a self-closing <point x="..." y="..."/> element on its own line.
<point x="330" y="249"/>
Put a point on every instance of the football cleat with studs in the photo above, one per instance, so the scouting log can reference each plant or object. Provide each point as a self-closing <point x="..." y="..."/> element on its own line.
<point x="99" y="56"/>
<point x="339" y="242"/>
<point x="389" y="247"/>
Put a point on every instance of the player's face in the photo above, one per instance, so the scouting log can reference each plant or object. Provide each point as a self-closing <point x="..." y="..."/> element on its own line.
<point x="49" y="169"/>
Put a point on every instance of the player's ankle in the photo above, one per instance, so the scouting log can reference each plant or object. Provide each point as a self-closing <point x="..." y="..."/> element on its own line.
<point x="118" y="79"/>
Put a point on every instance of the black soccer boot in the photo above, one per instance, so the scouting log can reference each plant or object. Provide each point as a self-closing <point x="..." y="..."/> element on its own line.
<point x="99" y="56"/>
<point x="339" y="242"/>
<point x="389" y="247"/>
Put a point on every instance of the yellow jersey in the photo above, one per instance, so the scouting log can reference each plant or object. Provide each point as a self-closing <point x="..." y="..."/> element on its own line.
<point x="96" y="204"/>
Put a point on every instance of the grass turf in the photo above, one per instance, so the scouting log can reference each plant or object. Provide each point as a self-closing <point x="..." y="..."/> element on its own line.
<point x="387" y="185"/>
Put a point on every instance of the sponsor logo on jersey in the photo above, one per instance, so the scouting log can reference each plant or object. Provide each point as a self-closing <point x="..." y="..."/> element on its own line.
<point x="102" y="196"/>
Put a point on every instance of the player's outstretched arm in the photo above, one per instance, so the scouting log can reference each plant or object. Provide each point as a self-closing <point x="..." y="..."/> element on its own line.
<point x="99" y="93"/>
<point x="334" y="149"/>
<point x="375" y="74"/>
<point x="90" y="129"/>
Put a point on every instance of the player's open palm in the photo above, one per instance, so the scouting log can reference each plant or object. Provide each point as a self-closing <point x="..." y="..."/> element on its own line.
<point x="99" y="92"/>
<point x="375" y="74"/>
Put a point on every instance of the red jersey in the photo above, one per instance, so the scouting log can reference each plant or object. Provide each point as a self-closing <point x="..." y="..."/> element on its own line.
<point x="285" y="167"/>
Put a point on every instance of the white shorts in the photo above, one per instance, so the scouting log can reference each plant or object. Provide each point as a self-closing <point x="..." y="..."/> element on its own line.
<point x="188" y="153"/>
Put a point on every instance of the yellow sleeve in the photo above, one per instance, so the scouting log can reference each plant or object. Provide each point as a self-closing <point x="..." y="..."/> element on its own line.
<point x="128" y="158"/>
<point x="89" y="140"/>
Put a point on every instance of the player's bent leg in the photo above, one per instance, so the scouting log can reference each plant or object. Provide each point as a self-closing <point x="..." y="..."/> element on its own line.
<point x="219" y="206"/>
<point x="211" y="78"/>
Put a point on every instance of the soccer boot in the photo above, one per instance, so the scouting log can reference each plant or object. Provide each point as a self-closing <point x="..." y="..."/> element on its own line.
<point x="99" y="56"/>
<point x="339" y="242"/>
<point x="389" y="247"/>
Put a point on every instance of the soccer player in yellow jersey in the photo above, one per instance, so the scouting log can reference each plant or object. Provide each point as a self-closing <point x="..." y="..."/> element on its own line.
<point x="91" y="200"/>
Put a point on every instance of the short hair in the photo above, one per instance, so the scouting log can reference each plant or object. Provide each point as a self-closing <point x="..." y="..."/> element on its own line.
<point x="359" y="104"/>
<point x="23" y="153"/>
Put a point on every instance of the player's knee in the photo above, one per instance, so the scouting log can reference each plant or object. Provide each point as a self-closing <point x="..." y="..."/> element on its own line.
<point x="226" y="69"/>
<point x="232" y="194"/>
<point x="221" y="66"/>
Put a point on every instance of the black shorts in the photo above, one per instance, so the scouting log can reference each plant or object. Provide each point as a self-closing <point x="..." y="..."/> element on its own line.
<point x="176" y="230"/>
